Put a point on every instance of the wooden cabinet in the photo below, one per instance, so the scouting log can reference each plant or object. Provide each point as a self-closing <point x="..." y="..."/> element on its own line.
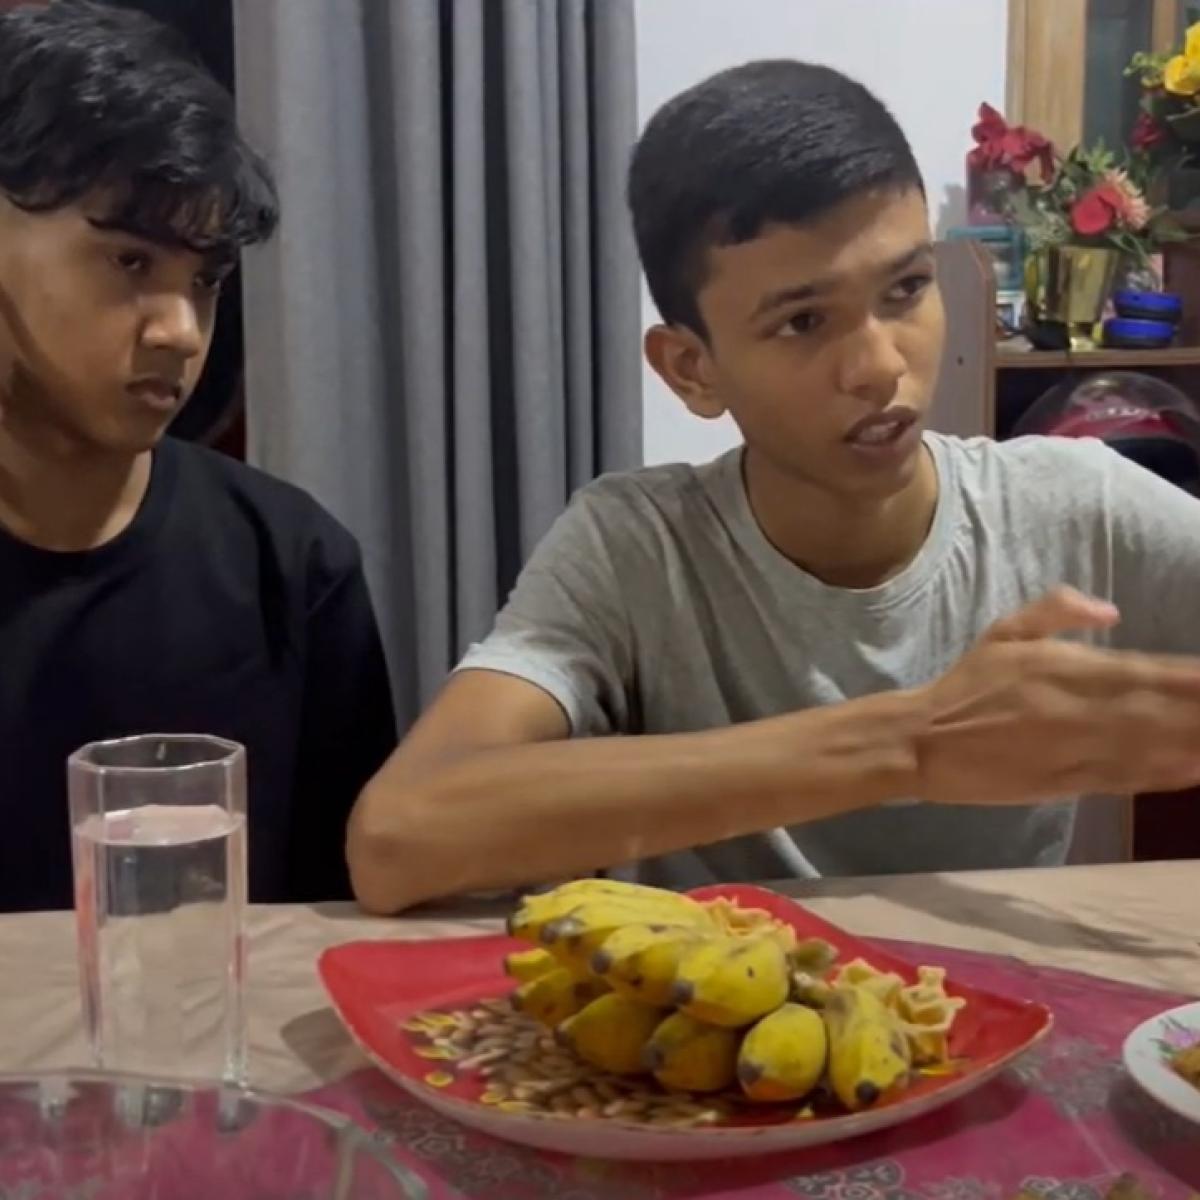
<point x="984" y="389"/>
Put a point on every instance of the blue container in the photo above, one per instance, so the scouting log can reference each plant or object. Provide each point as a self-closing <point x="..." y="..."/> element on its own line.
<point x="1128" y="334"/>
<point x="1148" y="306"/>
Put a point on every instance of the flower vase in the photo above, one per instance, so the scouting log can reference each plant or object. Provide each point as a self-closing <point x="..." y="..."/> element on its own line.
<point x="1067" y="287"/>
<point x="986" y="192"/>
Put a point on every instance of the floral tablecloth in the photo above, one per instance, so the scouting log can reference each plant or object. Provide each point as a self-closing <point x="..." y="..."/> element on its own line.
<point x="1062" y="1125"/>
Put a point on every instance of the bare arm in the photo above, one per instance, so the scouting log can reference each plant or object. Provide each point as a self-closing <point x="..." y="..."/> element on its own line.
<point x="487" y="792"/>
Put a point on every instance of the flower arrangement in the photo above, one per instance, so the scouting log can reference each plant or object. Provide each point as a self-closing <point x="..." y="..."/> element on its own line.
<point x="1167" y="129"/>
<point x="999" y="162"/>
<point x="1010" y="149"/>
<point x="1088" y="197"/>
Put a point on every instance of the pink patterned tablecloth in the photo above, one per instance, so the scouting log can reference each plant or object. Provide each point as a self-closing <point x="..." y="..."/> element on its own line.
<point x="1061" y="1126"/>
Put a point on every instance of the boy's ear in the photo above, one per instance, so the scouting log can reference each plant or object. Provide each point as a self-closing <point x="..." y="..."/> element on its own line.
<point x="682" y="360"/>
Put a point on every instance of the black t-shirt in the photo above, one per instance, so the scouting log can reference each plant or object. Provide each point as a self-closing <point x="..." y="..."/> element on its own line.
<point x="231" y="605"/>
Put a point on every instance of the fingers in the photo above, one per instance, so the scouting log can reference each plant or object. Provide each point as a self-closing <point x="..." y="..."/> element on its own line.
<point x="1161" y="758"/>
<point x="1127" y="722"/>
<point x="1063" y="610"/>
<point x="1109" y="674"/>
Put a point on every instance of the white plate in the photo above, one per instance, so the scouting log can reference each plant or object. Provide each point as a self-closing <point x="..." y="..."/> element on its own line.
<point x="1147" y="1050"/>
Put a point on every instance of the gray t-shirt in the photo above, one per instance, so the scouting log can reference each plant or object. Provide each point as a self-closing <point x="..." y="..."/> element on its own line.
<point x="657" y="605"/>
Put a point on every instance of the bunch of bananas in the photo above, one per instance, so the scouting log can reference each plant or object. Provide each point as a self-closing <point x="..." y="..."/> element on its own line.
<point x="706" y="995"/>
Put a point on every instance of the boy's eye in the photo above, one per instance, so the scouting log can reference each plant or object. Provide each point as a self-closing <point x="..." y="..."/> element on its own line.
<point x="133" y="262"/>
<point x="802" y="323"/>
<point x="910" y="287"/>
<point x="211" y="281"/>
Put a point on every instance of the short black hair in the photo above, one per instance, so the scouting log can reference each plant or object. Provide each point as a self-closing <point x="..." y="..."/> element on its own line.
<point x="774" y="141"/>
<point x="106" y="100"/>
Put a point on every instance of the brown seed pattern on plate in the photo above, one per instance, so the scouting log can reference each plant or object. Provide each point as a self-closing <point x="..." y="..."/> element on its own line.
<point x="526" y="1071"/>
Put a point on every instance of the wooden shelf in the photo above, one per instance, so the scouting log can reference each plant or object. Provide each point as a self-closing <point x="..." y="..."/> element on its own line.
<point x="1040" y="360"/>
<point x="985" y="387"/>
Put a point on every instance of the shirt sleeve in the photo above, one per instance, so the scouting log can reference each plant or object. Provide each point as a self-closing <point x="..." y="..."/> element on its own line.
<point x="348" y="725"/>
<point x="1155" y="531"/>
<point x="565" y="627"/>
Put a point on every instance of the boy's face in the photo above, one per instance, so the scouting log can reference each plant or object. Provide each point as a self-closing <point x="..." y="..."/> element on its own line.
<point x="102" y="335"/>
<point x="814" y="330"/>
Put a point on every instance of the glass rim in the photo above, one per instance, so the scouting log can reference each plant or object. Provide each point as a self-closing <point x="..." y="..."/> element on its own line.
<point x="341" y="1124"/>
<point x="81" y="758"/>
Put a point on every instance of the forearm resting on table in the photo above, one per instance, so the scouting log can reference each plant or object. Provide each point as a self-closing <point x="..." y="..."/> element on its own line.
<point x="521" y="814"/>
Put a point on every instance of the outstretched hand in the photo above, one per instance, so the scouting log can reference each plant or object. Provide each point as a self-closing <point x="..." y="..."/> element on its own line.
<point x="1026" y="717"/>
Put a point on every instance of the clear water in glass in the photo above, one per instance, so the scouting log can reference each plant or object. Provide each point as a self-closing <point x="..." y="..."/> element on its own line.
<point x="159" y="843"/>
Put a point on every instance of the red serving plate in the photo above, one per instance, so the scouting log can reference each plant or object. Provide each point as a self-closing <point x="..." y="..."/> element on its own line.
<point x="377" y="986"/>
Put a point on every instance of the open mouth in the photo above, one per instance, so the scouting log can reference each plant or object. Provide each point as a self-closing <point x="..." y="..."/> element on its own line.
<point x="883" y="429"/>
<point x="161" y="393"/>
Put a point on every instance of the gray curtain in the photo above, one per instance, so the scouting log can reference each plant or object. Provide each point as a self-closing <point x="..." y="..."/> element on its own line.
<point x="442" y="341"/>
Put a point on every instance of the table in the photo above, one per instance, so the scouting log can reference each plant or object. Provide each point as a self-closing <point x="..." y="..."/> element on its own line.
<point x="1136" y="922"/>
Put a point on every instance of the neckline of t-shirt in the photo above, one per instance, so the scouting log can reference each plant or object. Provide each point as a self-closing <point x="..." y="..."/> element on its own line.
<point x="915" y="576"/>
<point x="137" y="535"/>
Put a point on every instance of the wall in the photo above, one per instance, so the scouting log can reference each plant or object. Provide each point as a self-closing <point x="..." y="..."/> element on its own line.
<point x="931" y="61"/>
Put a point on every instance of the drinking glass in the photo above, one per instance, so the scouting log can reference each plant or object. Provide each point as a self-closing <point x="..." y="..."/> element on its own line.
<point x="158" y="833"/>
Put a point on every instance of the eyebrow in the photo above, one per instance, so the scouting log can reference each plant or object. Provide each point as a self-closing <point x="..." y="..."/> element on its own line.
<point x="820" y="287"/>
<point x="215" y="258"/>
<point x="220" y="259"/>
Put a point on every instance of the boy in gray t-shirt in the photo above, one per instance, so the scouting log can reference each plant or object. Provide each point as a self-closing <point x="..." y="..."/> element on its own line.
<point x="835" y="650"/>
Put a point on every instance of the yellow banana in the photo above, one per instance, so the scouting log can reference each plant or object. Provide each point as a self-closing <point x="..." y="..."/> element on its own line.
<point x="567" y="895"/>
<point x="536" y="913"/>
<point x="732" y="981"/>
<point x="783" y="1056"/>
<point x="640" y="961"/>
<point x="614" y="911"/>
<point x="616" y="887"/>
<point x="813" y="956"/>
<point x="869" y="1055"/>
<point x="527" y="965"/>
<point x="810" y="961"/>
<point x="555" y="996"/>
<point x="573" y="939"/>
<point x="610" y="1033"/>
<point x="688" y="1056"/>
<point x="810" y="990"/>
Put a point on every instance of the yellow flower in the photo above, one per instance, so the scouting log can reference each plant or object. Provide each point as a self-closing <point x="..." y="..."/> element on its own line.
<point x="1182" y="75"/>
<point x="1191" y="47"/>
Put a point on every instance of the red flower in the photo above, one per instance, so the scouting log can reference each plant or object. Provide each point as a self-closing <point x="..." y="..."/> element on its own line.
<point x="1000" y="146"/>
<point x="1024" y="148"/>
<point x="990" y="125"/>
<point x="1147" y="133"/>
<point x="1096" y="212"/>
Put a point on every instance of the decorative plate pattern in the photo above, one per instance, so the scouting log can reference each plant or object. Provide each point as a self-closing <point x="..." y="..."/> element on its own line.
<point x="1148" y="1052"/>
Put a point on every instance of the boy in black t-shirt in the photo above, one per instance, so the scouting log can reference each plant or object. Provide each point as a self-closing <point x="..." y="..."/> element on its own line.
<point x="148" y="585"/>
